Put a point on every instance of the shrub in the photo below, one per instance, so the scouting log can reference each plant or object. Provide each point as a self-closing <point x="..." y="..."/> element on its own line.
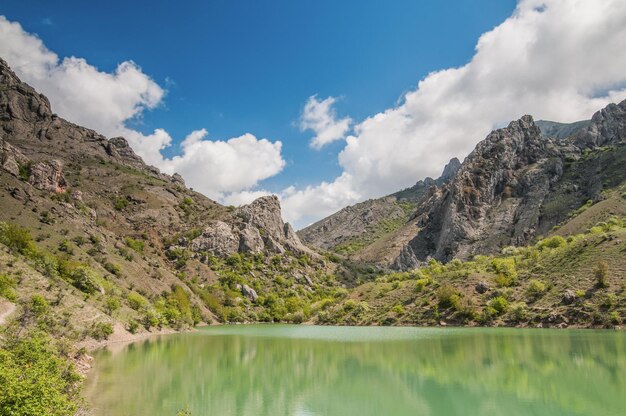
<point x="135" y="245"/>
<point x="535" y="289"/>
<point x="35" y="380"/>
<point x="499" y="304"/>
<point x="85" y="280"/>
<point x="16" y="238"/>
<point x="448" y="297"/>
<point x="113" y="268"/>
<point x="111" y="305"/>
<point x="551" y="243"/>
<point x="465" y="309"/>
<point x="100" y="330"/>
<point x="505" y="270"/>
<point x="136" y="301"/>
<point x="601" y="273"/>
<point x="420" y="284"/>
<point x="120" y="204"/>
<point x="6" y="288"/>
<point x="519" y="311"/>
<point x="398" y="309"/>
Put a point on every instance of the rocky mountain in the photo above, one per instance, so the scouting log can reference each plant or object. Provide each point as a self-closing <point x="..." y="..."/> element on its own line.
<point x="516" y="185"/>
<point x="96" y="219"/>
<point x="359" y="226"/>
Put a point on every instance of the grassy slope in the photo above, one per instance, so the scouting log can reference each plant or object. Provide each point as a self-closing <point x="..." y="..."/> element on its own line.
<point x="528" y="285"/>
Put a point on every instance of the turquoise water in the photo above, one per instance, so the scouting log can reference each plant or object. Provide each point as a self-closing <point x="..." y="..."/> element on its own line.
<point x="309" y="370"/>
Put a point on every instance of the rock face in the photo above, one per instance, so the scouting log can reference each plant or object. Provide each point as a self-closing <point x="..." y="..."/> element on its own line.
<point x="11" y="159"/>
<point x="261" y="229"/>
<point x="48" y="176"/>
<point x="607" y="126"/>
<point x="517" y="184"/>
<point x="368" y="220"/>
<point x="493" y="201"/>
<point x="218" y="238"/>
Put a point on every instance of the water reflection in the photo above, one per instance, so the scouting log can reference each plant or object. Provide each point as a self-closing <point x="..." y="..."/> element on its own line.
<point x="286" y="370"/>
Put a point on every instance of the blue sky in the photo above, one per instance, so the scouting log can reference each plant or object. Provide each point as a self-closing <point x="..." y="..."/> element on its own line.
<point x="413" y="82"/>
<point x="249" y="66"/>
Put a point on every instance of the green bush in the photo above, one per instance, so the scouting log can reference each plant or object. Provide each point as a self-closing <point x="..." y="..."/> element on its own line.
<point x="136" y="301"/>
<point x="499" y="304"/>
<point x="601" y="273"/>
<point x="35" y="380"/>
<point x="16" y="238"/>
<point x="111" y="305"/>
<point x="505" y="271"/>
<point x="101" y="330"/>
<point x="86" y="280"/>
<point x="135" y="245"/>
<point x="6" y="288"/>
<point x="448" y="297"/>
<point x="535" y="289"/>
<point x="551" y="243"/>
<point x="113" y="268"/>
<point x="420" y="284"/>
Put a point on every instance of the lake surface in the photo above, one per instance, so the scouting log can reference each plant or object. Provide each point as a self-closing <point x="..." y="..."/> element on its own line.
<point x="309" y="370"/>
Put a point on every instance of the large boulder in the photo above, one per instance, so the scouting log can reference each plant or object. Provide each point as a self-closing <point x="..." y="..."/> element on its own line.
<point x="218" y="239"/>
<point x="11" y="159"/>
<point x="48" y="176"/>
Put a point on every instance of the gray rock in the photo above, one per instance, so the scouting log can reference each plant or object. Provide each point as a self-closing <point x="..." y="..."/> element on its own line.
<point x="218" y="239"/>
<point x="11" y="158"/>
<point x="568" y="297"/>
<point x="482" y="287"/>
<point x="48" y="176"/>
<point x="250" y="240"/>
<point x="250" y="293"/>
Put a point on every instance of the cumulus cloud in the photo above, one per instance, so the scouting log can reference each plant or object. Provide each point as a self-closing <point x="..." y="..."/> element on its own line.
<point x="321" y="118"/>
<point x="219" y="168"/>
<point x="105" y="102"/>
<point x="555" y="59"/>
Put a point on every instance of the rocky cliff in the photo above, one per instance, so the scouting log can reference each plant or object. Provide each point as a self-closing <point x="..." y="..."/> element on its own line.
<point x="97" y="219"/>
<point x="516" y="185"/>
<point x="357" y="227"/>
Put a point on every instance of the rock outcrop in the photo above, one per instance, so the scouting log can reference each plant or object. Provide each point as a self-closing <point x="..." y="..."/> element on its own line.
<point x="48" y="176"/>
<point x="260" y="230"/>
<point x="368" y="221"/>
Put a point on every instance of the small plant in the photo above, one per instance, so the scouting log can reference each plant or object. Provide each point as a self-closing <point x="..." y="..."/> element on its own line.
<point x="120" y="204"/>
<point x="398" y="309"/>
<point x="420" y="284"/>
<point x="101" y="330"/>
<point x="111" y="305"/>
<point x="535" y="289"/>
<point x="135" y="245"/>
<point x="113" y="268"/>
<point x="601" y="273"/>
<point x="6" y="288"/>
<point x="499" y="304"/>
<point x="136" y="301"/>
<point x="448" y="297"/>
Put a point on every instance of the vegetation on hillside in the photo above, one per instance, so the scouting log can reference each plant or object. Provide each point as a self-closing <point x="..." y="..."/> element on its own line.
<point x="559" y="281"/>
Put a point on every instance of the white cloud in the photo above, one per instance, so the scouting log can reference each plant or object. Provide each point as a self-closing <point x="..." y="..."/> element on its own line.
<point x="105" y="102"/>
<point x="79" y="91"/>
<point x="217" y="168"/>
<point x="559" y="60"/>
<point x="320" y="117"/>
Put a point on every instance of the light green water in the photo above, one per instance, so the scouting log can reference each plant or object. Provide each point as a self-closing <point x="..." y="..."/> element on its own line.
<point x="307" y="370"/>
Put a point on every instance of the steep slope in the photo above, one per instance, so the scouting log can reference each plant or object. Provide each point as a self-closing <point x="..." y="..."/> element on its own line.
<point x="518" y="184"/>
<point x="86" y="213"/>
<point x="358" y="227"/>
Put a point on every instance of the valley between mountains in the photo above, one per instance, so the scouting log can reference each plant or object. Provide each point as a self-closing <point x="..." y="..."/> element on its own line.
<point x="528" y="231"/>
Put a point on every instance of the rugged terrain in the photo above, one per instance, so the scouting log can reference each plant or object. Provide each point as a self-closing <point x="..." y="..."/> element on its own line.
<point x="95" y="245"/>
<point x="514" y="187"/>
